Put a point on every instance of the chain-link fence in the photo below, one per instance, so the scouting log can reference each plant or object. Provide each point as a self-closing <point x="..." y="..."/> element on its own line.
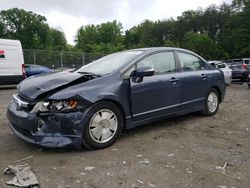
<point x="57" y="59"/>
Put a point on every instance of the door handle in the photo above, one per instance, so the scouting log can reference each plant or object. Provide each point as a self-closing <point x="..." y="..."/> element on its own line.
<point x="203" y="75"/>
<point x="173" y="80"/>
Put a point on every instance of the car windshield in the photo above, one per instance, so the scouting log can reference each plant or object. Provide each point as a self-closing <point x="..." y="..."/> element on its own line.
<point x="109" y="63"/>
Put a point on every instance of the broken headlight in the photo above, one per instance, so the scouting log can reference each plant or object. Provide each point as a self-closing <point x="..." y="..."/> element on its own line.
<point x="55" y="106"/>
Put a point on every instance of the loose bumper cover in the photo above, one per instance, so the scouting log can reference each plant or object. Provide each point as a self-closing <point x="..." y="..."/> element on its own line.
<point x="53" y="130"/>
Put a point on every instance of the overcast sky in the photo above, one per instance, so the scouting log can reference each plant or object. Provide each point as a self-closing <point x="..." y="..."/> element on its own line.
<point x="69" y="15"/>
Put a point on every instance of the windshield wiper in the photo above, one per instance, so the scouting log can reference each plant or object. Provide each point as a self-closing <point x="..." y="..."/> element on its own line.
<point x="90" y="74"/>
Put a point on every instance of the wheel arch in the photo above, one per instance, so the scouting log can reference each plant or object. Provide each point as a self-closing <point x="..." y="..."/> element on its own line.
<point x="219" y="92"/>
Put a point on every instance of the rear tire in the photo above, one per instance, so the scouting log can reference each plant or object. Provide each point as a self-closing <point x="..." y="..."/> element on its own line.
<point x="103" y="126"/>
<point x="211" y="104"/>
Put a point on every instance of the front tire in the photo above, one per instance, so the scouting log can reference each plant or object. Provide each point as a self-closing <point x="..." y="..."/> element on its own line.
<point x="103" y="126"/>
<point x="211" y="104"/>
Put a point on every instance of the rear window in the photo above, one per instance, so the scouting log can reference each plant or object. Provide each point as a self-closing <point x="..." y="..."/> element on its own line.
<point x="247" y="61"/>
<point x="236" y="65"/>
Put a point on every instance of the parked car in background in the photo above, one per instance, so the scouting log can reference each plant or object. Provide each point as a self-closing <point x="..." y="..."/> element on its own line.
<point x="225" y="69"/>
<point x="242" y="61"/>
<point x="11" y="62"/>
<point x="239" y="72"/>
<point x="65" y="69"/>
<point x="92" y="105"/>
<point x="240" y="68"/>
<point x="246" y="72"/>
<point x="36" y="69"/>
<point x="248" y="81"/>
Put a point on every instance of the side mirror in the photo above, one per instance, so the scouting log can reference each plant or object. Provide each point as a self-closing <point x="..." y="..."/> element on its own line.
<point x="144" y="71"/>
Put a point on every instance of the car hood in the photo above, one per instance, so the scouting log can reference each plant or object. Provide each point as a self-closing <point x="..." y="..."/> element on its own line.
<point x="38" y="87"/>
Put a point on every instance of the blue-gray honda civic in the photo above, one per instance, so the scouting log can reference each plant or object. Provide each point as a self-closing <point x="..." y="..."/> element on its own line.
<point x="92" y="105"/>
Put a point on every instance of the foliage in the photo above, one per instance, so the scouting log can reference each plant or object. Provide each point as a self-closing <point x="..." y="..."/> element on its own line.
<point x="103" y="38"/>
<point x="217" y="32"/>
<point x="57" y="40"/>
<point x="202" y="44"/>
<point x="31" y="29"/>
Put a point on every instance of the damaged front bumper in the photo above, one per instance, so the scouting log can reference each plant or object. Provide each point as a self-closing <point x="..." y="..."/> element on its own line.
<point x="53" y="130"/>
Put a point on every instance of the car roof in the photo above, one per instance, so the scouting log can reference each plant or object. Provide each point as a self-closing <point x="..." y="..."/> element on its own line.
<point x="152" y="49"/>
<point x="157" y="49"/>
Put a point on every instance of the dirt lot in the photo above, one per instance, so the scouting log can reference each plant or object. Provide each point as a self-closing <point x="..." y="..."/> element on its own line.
<point x="187" y="151"/>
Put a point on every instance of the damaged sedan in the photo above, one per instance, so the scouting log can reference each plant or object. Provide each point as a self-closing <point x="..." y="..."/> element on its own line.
<point x="91" y="106"/>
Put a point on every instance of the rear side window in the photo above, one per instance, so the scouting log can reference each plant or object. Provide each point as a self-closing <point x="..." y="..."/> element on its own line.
<point x="222" y="66"/>
<point x="190" y="62"/>
<point x="236" y="66"/>
<point x="163" y="62"/>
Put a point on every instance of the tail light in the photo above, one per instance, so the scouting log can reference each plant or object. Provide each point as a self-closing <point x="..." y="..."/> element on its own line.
<point x="244" y="66"/>
<point x="23" y="71"/>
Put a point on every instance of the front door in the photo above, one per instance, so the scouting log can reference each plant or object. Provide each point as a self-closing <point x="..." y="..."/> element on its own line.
<point x="156" y="95"/>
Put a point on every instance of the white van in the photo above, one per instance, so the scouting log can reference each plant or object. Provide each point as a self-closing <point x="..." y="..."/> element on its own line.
<point x="12" y="69"/>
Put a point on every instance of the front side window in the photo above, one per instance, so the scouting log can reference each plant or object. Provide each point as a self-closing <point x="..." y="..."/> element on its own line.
<point x="128" y="73"/>
<point x="163" y="62"/>
<point x="222" y="66"/>
<point x="190" y="62"/>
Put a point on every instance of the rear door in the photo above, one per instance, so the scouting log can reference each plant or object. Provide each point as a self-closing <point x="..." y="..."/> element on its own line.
<point x="195" y="78"/>
<point x="156" y="95"/>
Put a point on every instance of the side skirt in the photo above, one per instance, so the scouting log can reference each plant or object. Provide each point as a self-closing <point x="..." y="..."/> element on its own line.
<point x="130" y="124"/>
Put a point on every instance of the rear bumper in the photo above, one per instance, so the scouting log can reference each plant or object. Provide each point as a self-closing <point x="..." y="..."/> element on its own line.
<point x="228" y="79"/>
<point x="242" y="76"/>
<point x="56" y="130"/>
<point x="11" y="79"/>
<point x="237" y="76"/>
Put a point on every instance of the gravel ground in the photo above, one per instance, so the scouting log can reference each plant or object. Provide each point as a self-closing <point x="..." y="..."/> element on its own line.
<point x="187" y="151"/>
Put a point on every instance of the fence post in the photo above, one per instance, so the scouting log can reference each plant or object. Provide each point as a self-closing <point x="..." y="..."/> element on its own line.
<point x="83" y="58"/>
<point x="61" y="58"/>
<point x="34" y="57"/>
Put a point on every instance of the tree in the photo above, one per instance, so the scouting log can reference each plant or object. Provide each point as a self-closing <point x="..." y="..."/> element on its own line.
<point x="30" y="28"/>
<point x="203" y="45"/>
<point x="57" y="40"/>
<point x="240" y="28"/>
<point x="103" y="38"/>
<point x="86" y="36"/>
<point x="146" y="34"/>
<point x="2" y="29"/>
